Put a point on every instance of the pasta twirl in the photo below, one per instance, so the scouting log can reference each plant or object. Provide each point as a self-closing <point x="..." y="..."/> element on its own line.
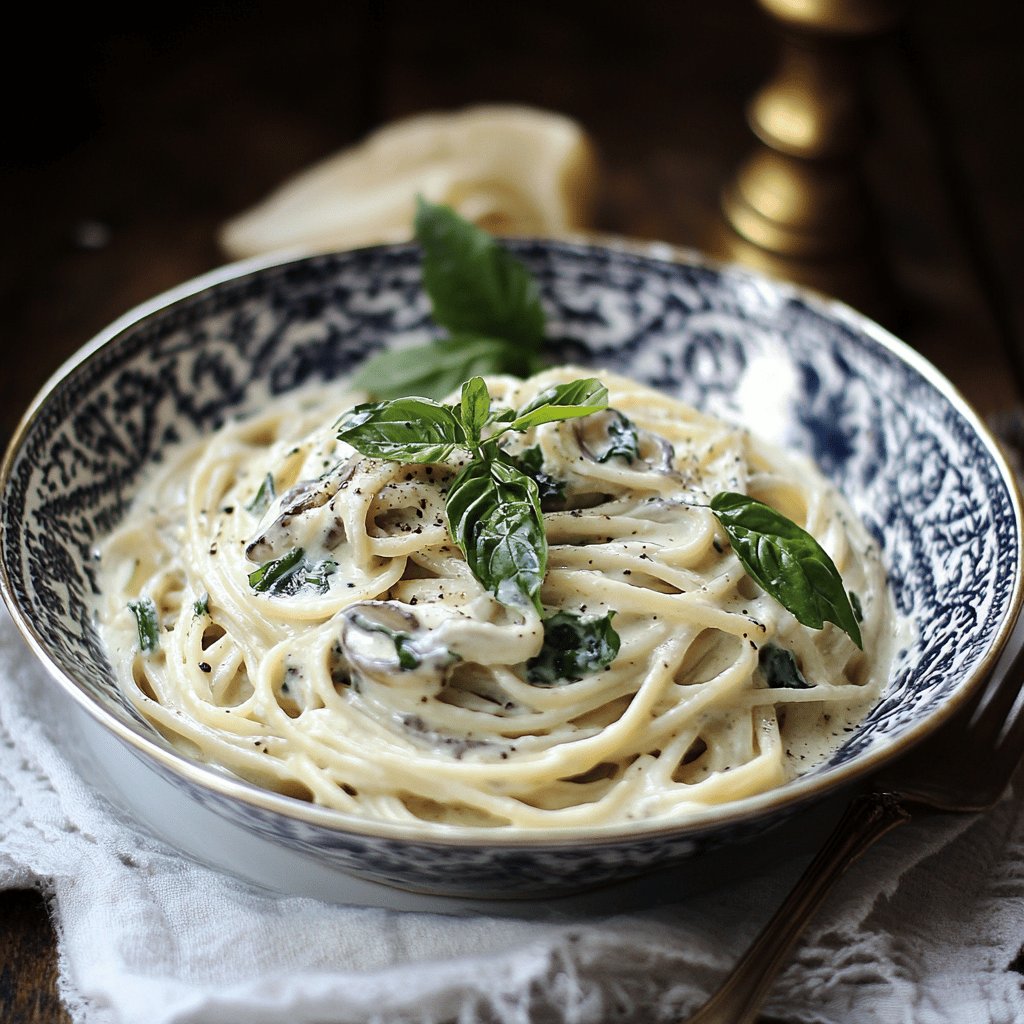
<point x="320" y="633"/>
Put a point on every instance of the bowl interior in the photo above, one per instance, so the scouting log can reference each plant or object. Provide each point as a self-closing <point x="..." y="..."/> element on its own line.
<point x="802" y="372"/>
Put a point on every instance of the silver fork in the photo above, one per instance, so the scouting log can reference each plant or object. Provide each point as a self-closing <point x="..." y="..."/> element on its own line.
<point x="942" y="774"/>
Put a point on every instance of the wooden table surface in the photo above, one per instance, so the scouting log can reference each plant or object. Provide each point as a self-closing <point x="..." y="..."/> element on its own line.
<point x="154" y="131"/>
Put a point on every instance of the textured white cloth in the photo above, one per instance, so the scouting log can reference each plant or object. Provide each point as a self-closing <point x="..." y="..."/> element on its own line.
<point x="923" y="929"/>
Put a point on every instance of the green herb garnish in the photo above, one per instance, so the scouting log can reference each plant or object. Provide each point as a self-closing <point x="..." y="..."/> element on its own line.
<point x="855" y="604"/>
<point x="495" y="517"/>
<point x="144" y="611"/>
<point x="786" y="562"/>
<point x="562" y="402"/>
<point x="475" y="286"/>
<point x="574" y="647"/>
<point x="437" y="368"/>
<point x="270" y="577"/>
<point x="482" y="295"/>
<point x="404" y="430"/>
<point x="291" y="573"/>
<point x="531" y="462"/>
<point x="263" y="497"/>
<point x="780" y="668"/>
<point x="202" y="606"/>
<point x="493" y="507"/>
<point x="623" y="442"/>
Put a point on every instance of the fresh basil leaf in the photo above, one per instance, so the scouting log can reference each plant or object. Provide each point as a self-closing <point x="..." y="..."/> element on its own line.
<point x="263" y="497"/>
<point x="562" y="402"/>
<point x="531" y="462"/>
<point x="475" y="408"/>
<point x="494" y="516"/>
<point x="475" y="286"/>
<point x="271" y="577"/>
<point x="403" y="430"/>
<point x="292" y="573"/>
<point x="622" y="439"/>
<point x="855" y="604"/>
<point x="436" y="369"/>
<point x="779" y="667"/>
<point x="202" y="606"/>
<point x="144" y="611"/>
<point x="574" y="647"/>
<point x="786" y="562"/>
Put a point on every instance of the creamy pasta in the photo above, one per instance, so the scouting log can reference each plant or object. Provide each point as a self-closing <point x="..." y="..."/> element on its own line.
<point x="373" y="673"/>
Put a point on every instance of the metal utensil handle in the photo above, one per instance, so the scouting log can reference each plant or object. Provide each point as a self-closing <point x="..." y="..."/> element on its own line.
<point x="738" y="999"/>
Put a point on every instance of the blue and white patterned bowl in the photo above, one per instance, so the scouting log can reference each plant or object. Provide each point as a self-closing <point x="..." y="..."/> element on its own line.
<point x="883" y="424"/>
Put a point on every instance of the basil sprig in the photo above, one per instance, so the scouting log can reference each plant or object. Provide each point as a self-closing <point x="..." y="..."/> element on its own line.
<point x="786" y="562"/>
<point x="493" y="507"/>
<point x="482" y="295"/>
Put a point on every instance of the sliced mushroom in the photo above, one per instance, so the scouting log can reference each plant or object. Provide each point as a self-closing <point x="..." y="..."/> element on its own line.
<point x="454" y="746"/>
<point x="384" y="642"/>
<point x="303" y="497"/>
<point x="609" y="434"/>
<point x="657" y="451"/>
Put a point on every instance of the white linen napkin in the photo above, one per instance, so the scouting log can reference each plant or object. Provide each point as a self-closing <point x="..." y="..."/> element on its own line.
<point x="926" y="928"/>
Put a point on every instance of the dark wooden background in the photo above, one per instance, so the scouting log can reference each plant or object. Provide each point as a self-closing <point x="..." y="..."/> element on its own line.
<point x="129" y="138"/>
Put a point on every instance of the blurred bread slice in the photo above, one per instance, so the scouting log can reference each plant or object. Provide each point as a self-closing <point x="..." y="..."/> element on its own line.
<point x="510" y="169"/>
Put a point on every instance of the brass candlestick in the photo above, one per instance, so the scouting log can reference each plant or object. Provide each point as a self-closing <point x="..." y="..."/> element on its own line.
<point x="800" y="193"/>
